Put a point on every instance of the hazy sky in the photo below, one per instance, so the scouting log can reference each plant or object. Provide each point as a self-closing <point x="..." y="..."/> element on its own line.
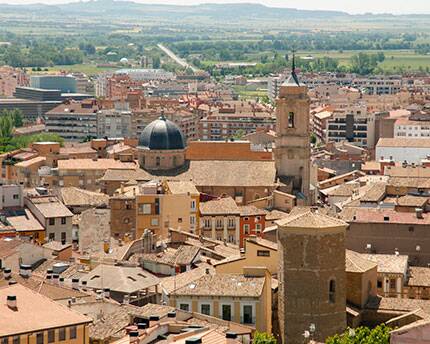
<point x="351" y="6"/>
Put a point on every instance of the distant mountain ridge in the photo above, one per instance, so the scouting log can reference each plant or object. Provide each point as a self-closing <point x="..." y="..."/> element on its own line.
<point x="130" y="8"/>
<point x="115" y="8"/>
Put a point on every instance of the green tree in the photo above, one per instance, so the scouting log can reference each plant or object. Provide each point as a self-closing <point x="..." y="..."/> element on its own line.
<point x="156" y="63"/>
<point x="6" y="126"/>
<point x="264" y="338"/>
<point x="362" y="335"/>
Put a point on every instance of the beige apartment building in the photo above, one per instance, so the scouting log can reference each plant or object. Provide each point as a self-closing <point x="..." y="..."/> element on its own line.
<point x="163" y="205"/>
<point x="220" y="220"/>
<point x="242" y="298"/>
<point x="28" y="317"/>
<point x="53" y="215"/>
<point x="233" y="117"/>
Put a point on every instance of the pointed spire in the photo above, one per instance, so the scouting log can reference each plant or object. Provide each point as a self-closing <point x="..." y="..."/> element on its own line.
<point x="293" y="70"/>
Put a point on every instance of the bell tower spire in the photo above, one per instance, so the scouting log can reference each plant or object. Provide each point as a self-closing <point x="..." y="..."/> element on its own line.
<point x="292" y="153"/>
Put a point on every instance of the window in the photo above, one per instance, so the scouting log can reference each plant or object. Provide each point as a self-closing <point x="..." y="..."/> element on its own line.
<point x="258" y="227"/>
<point x="62" y="334"/>
<point x="332" y="291"/>
<point x="184" y="307"/>
<point x="231" y="223"/>
<point x="218" y="223"/>
<point x="208" y="223"/>
<point x="39" y="338"/>
<point x="179" y="219"/>
<point x="63" y="220"/>
<point x="226" y="312"/>
<point x="52" y="236"/>
<point x="157" y="161"/>
<point x="193" y="204"/>
<point x="379" y="284"/>
<point x="126" y="220"/>
<point x="145" y="208"/>
<point x="392" y="284"/>
<point x="51" y="336"/>
<point x="247" y="314"/>
<point x="246" y="229"/>
<point x="4" y="340"/>
<point x="154" y="221"/>
<point x="128" y="206"/>
<point x="192" y="220"/>
<point x="52" y="221"/>
<point x="15" y="196"/>
<point x="205" y="309"/>
<point x="291" y="120"/>
<point x="63" y="236"/>
<point x="72" y="331"/>
<point x="263" y="253"/>
<point x="16" y="339"/>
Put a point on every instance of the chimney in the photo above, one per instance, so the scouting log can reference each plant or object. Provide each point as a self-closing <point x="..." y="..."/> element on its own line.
<point x="231" y="337"/>
<point x="171" y="314"/>
<point x="11" y="302"/>
<point x="153" y="320"/>
<point x="126" y="300"/>
<point x="106" y="292"/>
<point x="25" y="270"/>
<point x="61" y="280"/>
<point x="12" y="282"/>
<point x="419" y="213"/>
<point x="55" y="279"/>
<point x="207" y="271"/>
<point x="122" y="187"/>
<point x="193" y="340"/>
<point x="84" y="285"/>
<point x="134" y="336"/>
<point x="75" y="283"/>
<point x="49" y="272"/>
<point x="7" y="273"/>
<point x="142" y="326"/>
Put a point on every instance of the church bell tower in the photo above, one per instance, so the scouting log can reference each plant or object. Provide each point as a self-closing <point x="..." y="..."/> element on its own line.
<point x="292" y="153"/>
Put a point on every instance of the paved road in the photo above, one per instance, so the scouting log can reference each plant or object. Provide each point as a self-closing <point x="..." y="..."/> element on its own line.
<point x="177" y="59"/>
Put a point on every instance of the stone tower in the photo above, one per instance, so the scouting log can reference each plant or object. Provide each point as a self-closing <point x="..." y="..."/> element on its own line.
<point x="312" y="278"/>
<point x="292" y="153"/>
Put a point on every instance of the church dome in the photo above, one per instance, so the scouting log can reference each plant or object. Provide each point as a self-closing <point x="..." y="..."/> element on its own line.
<point x="162" y="134"/>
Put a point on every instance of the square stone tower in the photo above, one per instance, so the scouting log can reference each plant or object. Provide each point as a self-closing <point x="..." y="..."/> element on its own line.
<point x="292" y="152"/>
<point x="312" y="278"/>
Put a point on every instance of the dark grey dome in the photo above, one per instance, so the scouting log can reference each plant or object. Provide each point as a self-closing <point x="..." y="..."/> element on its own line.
<point x="162" y="134"/>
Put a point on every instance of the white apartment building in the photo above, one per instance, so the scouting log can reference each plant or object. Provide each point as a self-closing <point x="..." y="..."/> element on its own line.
<point x="11" y="196"/>
<point x="147" y="74"/>
<point x="407" y="128"/>
<point x="409" y="150"/>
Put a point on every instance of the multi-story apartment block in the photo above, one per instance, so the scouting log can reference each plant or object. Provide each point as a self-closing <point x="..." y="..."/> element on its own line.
<point x="242" y="298"/>
<point x="11" y="196"/>
<point x="352" y="124"/>
<point x="29" y="317"/>
<point x="164" y="205"/>
<point x="73" y="120"/>
<point x="379" y="85"/>
<point x="220" y="220"/>
<point x="233" y="118"/>
<point x="413" y="127"/>
<point x="53" y="215"/>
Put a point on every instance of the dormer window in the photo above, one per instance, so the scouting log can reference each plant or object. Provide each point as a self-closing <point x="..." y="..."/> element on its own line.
<point x="291" y="119"/>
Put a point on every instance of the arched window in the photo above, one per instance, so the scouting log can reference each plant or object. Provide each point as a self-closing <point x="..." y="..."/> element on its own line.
<point x="291" y="120"/>
<point x="332" y="291"/>
<point x="157" y="161"/>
